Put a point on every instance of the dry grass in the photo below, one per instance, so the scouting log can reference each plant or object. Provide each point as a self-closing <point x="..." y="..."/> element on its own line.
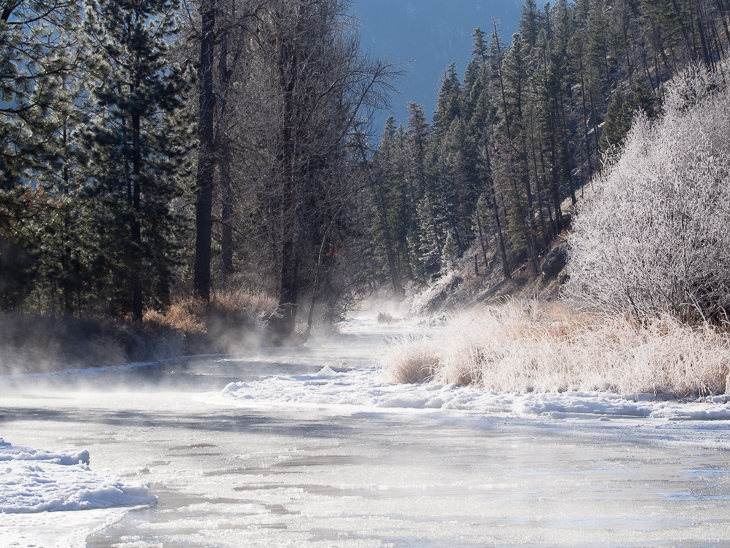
<point x="184" y="316"/>
<point x="412" y="360"/>
<point x="233" y="321"/>
<point x="523" y="346"/>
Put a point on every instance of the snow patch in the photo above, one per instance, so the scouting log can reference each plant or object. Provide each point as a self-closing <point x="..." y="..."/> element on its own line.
<point x="326" y="372"/>
<point x="365" y="388"/>
<point x="34" y="481"/>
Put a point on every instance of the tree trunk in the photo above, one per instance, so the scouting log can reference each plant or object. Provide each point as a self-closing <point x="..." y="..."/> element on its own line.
<point x="223" y="149"/>
<point x="224" y="170"/>
<point x="136" y="265"/>
<point x="497" y="221"/>
<point x="204" y="177"/>
<point x="394" y="275"/>
<point x="283" y="325"/>
<point x="482" y="243"/>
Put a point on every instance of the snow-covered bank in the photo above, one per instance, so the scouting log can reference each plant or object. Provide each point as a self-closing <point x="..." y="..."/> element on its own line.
<point x="42" y="481"/>
<point x="50" y="485"/>
<point x="365" y="388"/>
<point x="529" y="346"/>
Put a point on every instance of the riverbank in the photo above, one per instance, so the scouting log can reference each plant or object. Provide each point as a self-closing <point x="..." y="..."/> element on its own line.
<point x="232" y="322"/>
<point x="526" y="346"/>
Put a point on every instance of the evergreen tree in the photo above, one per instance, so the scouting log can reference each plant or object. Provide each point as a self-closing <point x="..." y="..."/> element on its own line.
<point x="448" y="105"/>
<point x="643" y="98"/>
<point x="62" y="274"/>
<point x="36" y="55"/>
<point x="388" y="201"/>
<point x="430" y="236"/>
<point x="418" y="128"/>
<point x="529" y="23"/>
<point x="450" y="252"/>
<point x="618" y="122"/>
<point x="135" y="150"/>
<point x="480" y="49"/>
<point x="515" y="85"/>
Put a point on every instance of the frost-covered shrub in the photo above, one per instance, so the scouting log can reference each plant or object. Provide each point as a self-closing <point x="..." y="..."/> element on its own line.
<point x="654" y="235"/>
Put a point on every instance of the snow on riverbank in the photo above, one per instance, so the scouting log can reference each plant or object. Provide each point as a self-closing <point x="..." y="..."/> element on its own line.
<point x="365" y="388"/>
<point x="40" y="481"/>
<point x="38" y="489"/>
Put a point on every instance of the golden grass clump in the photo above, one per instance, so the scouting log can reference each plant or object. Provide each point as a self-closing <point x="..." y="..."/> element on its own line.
<point x="192" y="316"/>
<point x="523" y="346"/>
<point x="233" y="321"/>
<point x="185" y="315"/>
<point x="255" y="308"/>
<point x="411" y="360"/>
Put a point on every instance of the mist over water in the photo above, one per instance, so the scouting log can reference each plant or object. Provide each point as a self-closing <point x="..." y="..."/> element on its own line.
<point x="258" y="472"/>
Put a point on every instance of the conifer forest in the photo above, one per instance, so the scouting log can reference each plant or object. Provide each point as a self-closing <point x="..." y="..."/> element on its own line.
<point x="153" y="151"/>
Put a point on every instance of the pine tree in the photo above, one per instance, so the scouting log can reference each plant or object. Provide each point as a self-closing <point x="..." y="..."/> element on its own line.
<point x="62" y="267"/>
<point x="529" y="23"/>
<point x="37" y="54"/>
<point x="515" y="88"/>
<point x="643" y="98"/>
<point x="618" y="122"/>
<point x="388" y="201"/>
<point x="136" y="147"/>
<point x="418" y="128"/>
<point x="450" y="252"/>
<point x="448" y="105"/>
<point x="430" y="236"/>
<point x="480" y="49"/>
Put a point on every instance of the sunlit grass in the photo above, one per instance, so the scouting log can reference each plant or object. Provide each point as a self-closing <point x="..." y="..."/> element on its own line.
<point x="233" y="321"/>
<point x="524" y="346"/>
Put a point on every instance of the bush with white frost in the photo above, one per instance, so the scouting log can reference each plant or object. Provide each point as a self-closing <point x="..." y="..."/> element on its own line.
<point x="654" y="234"/>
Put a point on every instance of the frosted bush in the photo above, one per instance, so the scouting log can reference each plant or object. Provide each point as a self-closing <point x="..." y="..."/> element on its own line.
<point x="653" y="236"/>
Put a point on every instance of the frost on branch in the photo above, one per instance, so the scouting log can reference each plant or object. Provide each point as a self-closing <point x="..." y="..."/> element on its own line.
<point x="654" y="235"/>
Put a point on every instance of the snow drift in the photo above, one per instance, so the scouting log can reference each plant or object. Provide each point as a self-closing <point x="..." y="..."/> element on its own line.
<point x="41" y="481"/>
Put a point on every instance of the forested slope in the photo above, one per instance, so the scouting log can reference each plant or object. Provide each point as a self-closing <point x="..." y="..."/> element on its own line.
<point x="524" y="130"/>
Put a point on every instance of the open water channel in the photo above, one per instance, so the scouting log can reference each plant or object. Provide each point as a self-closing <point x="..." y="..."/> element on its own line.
<point x="263" y="473"/>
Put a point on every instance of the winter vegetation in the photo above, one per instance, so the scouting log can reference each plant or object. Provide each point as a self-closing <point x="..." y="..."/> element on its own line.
<point x="525" y="346"/>
<point x="653" y="286"/>
<point x="204" y="173"/>
<point x="231" y="322"/>
<point x="669" y="188"/>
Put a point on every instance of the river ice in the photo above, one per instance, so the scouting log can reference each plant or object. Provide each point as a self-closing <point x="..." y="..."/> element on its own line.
<point x="311" y="447"/>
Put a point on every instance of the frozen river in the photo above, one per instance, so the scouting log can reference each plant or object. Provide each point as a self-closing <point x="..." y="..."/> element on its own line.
<point x="305" y="452"/>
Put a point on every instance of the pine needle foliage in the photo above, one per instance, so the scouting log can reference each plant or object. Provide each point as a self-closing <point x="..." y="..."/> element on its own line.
<point x="134" y="151"/>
